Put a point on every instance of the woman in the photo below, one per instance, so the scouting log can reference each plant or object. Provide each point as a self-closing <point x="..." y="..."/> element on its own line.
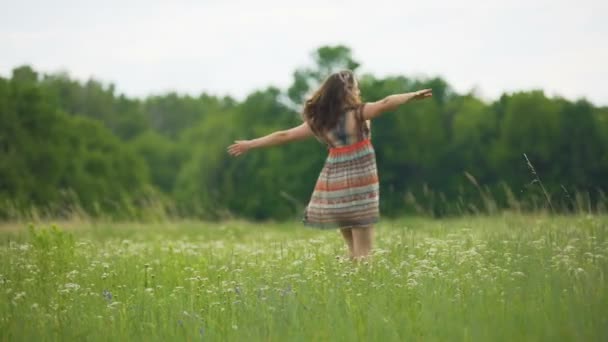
<point x="346" y="195"/>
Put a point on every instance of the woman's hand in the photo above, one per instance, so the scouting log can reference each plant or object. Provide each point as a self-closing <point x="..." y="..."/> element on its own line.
<point x="239" y="147"/>
<point x="422" y="94"/>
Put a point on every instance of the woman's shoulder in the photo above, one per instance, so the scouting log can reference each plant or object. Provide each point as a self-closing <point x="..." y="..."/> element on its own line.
<point x="356" y="110"/>
<point x="355" y="106"/>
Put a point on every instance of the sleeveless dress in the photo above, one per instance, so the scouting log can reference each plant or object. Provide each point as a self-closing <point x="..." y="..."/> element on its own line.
<point x="347" y="192"/>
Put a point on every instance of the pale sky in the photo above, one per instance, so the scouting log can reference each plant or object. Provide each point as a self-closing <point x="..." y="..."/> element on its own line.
<point x="233" y="47"/>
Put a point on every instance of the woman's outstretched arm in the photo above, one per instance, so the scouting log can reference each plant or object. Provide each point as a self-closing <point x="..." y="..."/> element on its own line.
<point x="391" y="102"/>
<point x="276" y="138"/>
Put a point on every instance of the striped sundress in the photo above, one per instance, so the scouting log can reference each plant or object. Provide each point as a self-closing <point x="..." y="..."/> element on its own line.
<point x="347" y="193"/>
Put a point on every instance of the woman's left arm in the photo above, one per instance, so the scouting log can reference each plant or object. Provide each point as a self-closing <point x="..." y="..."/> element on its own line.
<point x="276" y="138"/>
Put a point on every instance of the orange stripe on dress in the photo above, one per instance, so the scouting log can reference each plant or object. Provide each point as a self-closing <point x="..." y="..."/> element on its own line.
<point x="349" y="148"/>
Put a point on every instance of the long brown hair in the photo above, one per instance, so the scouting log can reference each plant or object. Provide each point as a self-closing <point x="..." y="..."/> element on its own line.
<point x="336" y="94"/>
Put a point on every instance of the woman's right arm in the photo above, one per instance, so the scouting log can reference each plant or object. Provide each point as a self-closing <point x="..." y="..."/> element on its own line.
<point x="300" y="132"/>
<point x="374" y="109"/>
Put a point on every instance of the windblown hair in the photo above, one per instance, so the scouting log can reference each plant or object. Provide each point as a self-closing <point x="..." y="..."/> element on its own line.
<point x="336" y="95"/>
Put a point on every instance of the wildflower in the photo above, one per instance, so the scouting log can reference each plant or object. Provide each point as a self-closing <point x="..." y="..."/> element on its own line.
<point x="19" y="295"/>
<point x="113" y="304"/>
<point x="286" y="291"/>
<point x="71" y="286"/>
<point x="107" y="295"/>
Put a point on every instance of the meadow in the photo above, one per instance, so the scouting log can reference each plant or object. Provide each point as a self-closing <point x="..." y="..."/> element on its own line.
<point x="506" y="277"/>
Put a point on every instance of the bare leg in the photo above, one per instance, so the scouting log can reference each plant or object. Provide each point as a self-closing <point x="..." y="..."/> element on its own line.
<point x="362" y="241"/>
<point x="348" y="238"/>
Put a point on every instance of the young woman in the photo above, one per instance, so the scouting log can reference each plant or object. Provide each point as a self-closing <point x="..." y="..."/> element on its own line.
<point x="346" y="194"/>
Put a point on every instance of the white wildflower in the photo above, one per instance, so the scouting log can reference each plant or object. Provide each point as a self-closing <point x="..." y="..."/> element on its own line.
<point x="19" y="295"/>
<point x="71" y="286"/>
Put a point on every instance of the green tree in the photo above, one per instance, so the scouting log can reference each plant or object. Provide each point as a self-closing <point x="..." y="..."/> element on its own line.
<point x="163" y="158"/>
<point x="47" y="153"/>
<point x="123" y="116"/>
<point x="326" y="60"/>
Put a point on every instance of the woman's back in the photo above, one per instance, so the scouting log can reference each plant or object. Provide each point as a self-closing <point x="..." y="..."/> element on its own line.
<point x="349" y="129"/>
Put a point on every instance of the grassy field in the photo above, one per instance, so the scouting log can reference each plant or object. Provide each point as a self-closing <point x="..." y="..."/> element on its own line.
<point x="503" y="278"/>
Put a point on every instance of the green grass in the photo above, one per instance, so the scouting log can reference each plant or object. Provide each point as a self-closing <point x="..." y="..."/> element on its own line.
<point x="503" y="278"/>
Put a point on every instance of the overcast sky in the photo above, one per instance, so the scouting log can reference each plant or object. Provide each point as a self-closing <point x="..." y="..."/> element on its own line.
<point x="233" y="47"/>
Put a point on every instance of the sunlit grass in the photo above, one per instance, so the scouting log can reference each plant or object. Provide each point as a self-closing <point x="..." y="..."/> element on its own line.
<point x="483" y="279"/>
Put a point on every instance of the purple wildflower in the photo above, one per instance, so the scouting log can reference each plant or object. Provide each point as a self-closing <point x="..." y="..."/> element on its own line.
<point x="107" y="295"/>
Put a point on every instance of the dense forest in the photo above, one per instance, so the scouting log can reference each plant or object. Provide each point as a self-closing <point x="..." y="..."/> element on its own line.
<point x="73" y="148"/>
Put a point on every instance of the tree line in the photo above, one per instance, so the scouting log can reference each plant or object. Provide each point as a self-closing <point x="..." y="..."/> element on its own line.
<point x="71" y="147"/>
